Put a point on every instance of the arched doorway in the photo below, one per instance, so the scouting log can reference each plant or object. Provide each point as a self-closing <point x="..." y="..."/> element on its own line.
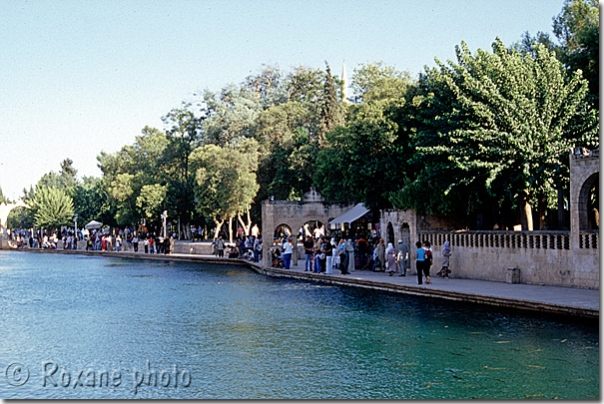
<point x="314" y="228"/>
<point x="282" y="231"/>
<point x="5" y="209"/>
<point x="589" y="204"/>
<point x="406" y="234"/>
<point x="390" y="234"/>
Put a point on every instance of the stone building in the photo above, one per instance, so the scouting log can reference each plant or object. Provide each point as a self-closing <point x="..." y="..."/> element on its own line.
<point x="293" y="215"/>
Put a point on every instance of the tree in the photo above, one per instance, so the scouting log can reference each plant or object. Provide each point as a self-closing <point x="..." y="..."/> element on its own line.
<point x="121" y="190"/>
<point x="366" y="159"/>
<point x="375" y="82"/>
<point x="267" y="86"/>
<point x="502" y="122"/>
<point x="225" y="181"/>
<point x="231" y="115"/>
<point x="92" y="201"/>
<point x="151" y="200"/>
<point x="577" y="27"/>
<point x="65" y="179"/>
<point x="68" y="174"/>
<point x="529" y="44"/>
<point x="3" y="199"/>
<point x="332" y="114"/>
<point x="19" y="218"/>
<point x="145" y="163"/>
<point x="52" y="208"/>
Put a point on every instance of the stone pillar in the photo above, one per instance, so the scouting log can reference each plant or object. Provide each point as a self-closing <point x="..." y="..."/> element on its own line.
<point x="583" y="167"/>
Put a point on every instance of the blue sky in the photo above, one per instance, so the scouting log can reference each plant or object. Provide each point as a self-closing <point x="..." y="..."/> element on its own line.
<point x="81" y="77"/>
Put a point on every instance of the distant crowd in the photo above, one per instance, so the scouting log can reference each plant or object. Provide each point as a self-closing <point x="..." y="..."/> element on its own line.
<point x="323" y="254"/>
<point x="126" y="239"/>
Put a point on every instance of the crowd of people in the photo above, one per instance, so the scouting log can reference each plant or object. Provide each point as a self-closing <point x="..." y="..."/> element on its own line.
<point x="245" y="247"/>
<point x="21" y="238"/>
<point x="323" y="254"/>
<point x="126" y="239"/>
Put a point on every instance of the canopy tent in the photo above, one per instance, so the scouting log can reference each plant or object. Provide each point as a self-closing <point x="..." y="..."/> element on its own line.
<point x="353" y="214"/>
<point x="93" y="225"/>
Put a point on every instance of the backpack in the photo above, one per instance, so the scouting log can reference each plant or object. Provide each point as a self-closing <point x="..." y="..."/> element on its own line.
<point x="428" y="257"/>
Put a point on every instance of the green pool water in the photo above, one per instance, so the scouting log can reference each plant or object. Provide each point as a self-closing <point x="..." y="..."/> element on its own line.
<point x="118" y="328"/>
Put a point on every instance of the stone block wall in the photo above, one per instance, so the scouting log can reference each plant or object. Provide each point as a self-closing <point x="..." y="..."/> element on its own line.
<point x="542" y="258"/>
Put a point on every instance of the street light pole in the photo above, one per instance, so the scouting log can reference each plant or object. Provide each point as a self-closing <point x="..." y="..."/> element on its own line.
<point x="164" y="216"/>
<point x="75" y="235"/>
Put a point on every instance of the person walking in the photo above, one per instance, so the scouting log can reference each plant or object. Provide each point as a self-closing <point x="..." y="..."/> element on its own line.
<point x="220" y="247"/>
<point x="391" y="266"/>
<point x="308" y="246"/>
<point x="328" y="255"/>
<point x="350" y="254"/>
<point x="381" y="255"/>
<point x="445" y="252"/>
<point x="288" y="250"/>
<point x="402" y="257"/>
<point x="420" y="255"/>
<point x="427" y="261"/>
<point x="343" y="257"/>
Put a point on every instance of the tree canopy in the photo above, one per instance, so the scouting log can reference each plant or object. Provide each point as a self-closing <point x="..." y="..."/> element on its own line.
<point x="503" y="121"/>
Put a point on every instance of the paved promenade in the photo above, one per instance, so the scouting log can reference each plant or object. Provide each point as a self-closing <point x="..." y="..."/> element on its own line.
<point x="549" y="299"/>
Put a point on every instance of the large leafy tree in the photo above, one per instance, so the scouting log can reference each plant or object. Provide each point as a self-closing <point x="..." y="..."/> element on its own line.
<point x="373" y="82"/>
<point x="231" y="115"/>
<point x="225" y="181"/>
<point x="577" y="27"/>
<point x="52" y="208"/>
<point x="267" y="86"/>
<point x="502" y="122"/>
<point x="366" y="159"/>
<point x="288" y="137"/>
<point x="92" y="201"/>
<point x="283" y="133"/>
<point x="151" y="200"/>
<point x="184" y="134"/>
<point x="125" y="173"/>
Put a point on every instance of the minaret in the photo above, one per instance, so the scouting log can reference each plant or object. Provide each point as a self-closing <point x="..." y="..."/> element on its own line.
<point x="344" y="83"/>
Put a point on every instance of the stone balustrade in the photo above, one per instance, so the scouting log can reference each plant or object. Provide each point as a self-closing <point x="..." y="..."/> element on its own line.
<point x="540" y="257"/>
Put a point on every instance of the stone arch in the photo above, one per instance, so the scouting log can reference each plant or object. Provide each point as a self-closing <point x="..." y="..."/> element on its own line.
<point x="295" y="214"/>
<point x="584" y="175"/>
<point x="282" y="230"/>
<point x="586" y="221"/>
<point x="405" y="233"/>
<point x="5" y="209"/>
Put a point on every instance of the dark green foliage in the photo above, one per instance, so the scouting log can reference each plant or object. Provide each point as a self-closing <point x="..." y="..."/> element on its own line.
<point x="500" y="122"/>
<point x="331" y="112"/>
<point x="577" y="27"/>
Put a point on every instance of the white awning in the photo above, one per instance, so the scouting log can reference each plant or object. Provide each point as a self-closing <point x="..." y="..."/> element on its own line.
<point x="93" y="225"/>
<point x="353" y="214"/>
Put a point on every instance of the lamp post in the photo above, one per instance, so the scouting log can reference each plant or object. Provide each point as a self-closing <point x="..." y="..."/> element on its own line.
<point x="164" y="217"/>
<point x="75" y="235"/>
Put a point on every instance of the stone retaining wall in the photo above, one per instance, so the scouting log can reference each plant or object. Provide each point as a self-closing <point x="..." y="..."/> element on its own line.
<point x="536" y="258"/>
